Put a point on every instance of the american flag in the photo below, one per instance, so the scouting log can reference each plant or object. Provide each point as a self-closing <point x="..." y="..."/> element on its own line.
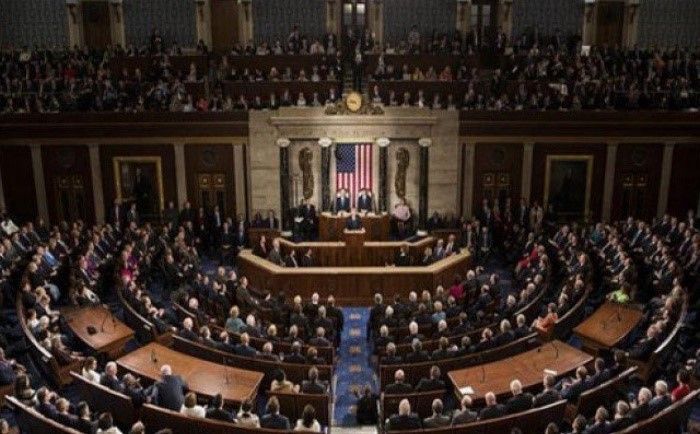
<point x="353" y="167"/>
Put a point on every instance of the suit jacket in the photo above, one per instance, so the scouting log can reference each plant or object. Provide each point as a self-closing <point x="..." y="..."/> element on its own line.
<point x="274" y="421"/>
<point x="313" y="388"/>
<point x="519" y="403"/>
<point x="428" y="384"/>
<point x="342" y="204"/>
<point x="436" y="421"/>
<point x="403" y="423"/>
<point x="492" y="412"/>
<point x="398" y="389"/>
<point x="402" y="260"/>
<point x="546" y="397"/>
<point x="220" y="414"/>
<point x="275" y="257"/>
<point x="364" y="202"/>
<point x="169" y="392"/>
<point x="464" y="416"/>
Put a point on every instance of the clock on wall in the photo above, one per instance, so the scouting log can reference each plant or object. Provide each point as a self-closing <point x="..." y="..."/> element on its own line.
<point x="353" y="101"/>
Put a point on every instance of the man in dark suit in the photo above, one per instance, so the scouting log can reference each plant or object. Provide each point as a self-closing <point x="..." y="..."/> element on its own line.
<point x="405" y="420"/>
<point x="493" y="409"/>
<point x="275" y="255"/>
<point x="432" y="383"/>
<point x="642" y="410"/>
<point x="342" y="201"/>
<point x="290" y="260"/>
<point x="271" y="221"/>
<point x="117" y="213"/>
<point x="313" y="386"/>
<point x="643" y="348"/>
<point x="402" y="259"/>
<point x="273" y="419"/>
<point x="549" y="395"/>
<point x="307" y="211"/>
<point x="216" y="410"/>
<point x="244" y="349"/>
<point x="307" y="260"/>
<point x="622" y="418"/>
<point x="398" y="387"/>
<point x="437" y="419"/>
<point x="170" y="391"/>
<point x="186" y="214"/>
<point x="519" y="401"/>
<point x="354" y="222"/>
<point x="464" y="415"/>
<point x="109" y="378"/>
<point x="662" y="398"/>
<point x="365" y="201"/>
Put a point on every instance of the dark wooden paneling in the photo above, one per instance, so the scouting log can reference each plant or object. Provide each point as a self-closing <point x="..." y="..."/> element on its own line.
<point x="498" y="158"/>
<point x="18" y="182"/>
<point x="638" y="159"/>
<point x="61" y="161"/>
<point x="224" y="24"/>
<point x="685" y="178"/>
<point x="539" y="165"/>
<point x="211" y="159"/>
<point x="165" y="152"/>
<point x="96" y="27"/>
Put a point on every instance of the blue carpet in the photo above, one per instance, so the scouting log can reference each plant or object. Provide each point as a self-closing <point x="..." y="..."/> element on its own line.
<point x="353" y="370"/>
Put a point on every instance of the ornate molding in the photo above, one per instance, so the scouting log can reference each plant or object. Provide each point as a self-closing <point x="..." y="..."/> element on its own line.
<point x="383" y="142"/>
<point x="325" y="142"/>
<point x="283" y="142"/>
<point x="425" y="142"/>
<point x="367" y="108"/>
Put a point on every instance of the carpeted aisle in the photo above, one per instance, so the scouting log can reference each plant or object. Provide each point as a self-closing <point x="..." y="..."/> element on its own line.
<point x="353" y="370"/>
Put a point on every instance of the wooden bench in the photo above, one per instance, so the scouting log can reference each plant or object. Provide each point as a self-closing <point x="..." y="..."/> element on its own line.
<point x="101" y="399"/>
<point x="295" y="373"/>
<point x="31" y="421"/>
<point x="414" y="372"/>
<point x="533" y="421"/>
<point x="421" y="403"/>
<point x="157" y="418"/>
<point x="292" y="405"/>
<point x="144" y="329"/>
<point x="59" y="374"/>
<point x="603" y="394"/>
<point x="668" y="420"/>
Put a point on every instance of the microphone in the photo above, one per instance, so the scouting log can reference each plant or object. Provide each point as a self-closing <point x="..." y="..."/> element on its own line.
<point x="104" y="320"/>
<point x="618" y="314"/>
<point x="226" y="379"/>
<point x="154" y="359"/>
<point x="483" y="374"/>
<point x="556" y="350"/>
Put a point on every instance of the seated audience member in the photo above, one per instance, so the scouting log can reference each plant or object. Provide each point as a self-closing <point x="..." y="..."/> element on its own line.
<point x="216" y="410"/>
<point x="398" y="387"/>
<point x="573" y="388"/>
<point x="683" y="387"/>
<point x="110" y="379"/>
<point x="405" y="420"/>
<point x="549" y="394"/>
<point x="662" y="398"/>
<point x="281" y="384"/>
<point x="89" y="370"/>
<point x="308" y="422"/>
<point x="492" y="409"/>
<point x="640" y="408"/>
<point x="246" y="417"/>
<point x="622" y="418"/>
<point x="105" y="424"/>
<point x="545" y="323"/>
<point x="643" y="348"/>
<point x="432" y="383"/>
<point x="313" y="385"/>
<point x="272" y="418"/>
<point x="437" y="419"/>
<point x="579" y="425"/>
<point x="191" y="408"/>
<point x="520" y="401"/>
<point x="600" y="422"/>
<point x="464" y="414"/>
<point x="417" y="354"/>
<point x="390" y="358"/>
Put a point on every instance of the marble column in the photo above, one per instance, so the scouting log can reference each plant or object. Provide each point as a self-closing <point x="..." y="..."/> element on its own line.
<point x="74" y="15"/>
<point x="469" y="156"/>
<point x="240" y="181"/>
<point x="665" y="181"/>
<point x="96" y="177"/>
<point x="325" y="178"/>
<point x="39" y="183"/>
<point x="464" y="12"/>
<point x="203" y="20"/>
<point x="424" y="144"/>
<point x="526" y="180"/>
<point x="180" y="174"/>
<point x="245" y="20"/>
<point x="333" y="10"/>
<point x="609" y="181"/>
<point x="375" y="9"/>
<point x="505" y="17"/>
<point x="631" y="23"/>
<point x="589" y="26"/>
<point x="284" y="181"/>
<point x="116" y="22"/>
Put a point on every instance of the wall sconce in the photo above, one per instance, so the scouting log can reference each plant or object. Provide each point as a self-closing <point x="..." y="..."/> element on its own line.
<point x="507" y="6"/>
<point x="72" y="7"/>
<point x="589" y="6"/>
<point x="116" y="6"/>
<point x="246" y="8"/>
<point x="200" y="8"/>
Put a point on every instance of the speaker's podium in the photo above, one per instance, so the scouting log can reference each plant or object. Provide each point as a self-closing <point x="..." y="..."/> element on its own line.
<point x="354" y="242"/>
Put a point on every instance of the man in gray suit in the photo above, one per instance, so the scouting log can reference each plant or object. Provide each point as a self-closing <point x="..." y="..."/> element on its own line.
<point x="275" y="255"/>
<point x="465" y="415"/>
<point x="438" y="419"/>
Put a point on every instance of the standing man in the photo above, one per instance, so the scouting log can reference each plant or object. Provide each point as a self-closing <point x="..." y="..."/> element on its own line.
<point x="365" y="201"/>
<point x="342" y="201"/>
<point x="354" y="222"/>
<point x="307" y="211"/>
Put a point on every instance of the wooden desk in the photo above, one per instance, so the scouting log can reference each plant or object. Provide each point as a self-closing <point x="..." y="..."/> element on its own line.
<point x="202" y="377"/>
<point x="331" y="226"/>
<point x="111" y="335"/>
<point x="528" y="367"/>
<point x="608" y="325"/>
<point x="351" y="285"/>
